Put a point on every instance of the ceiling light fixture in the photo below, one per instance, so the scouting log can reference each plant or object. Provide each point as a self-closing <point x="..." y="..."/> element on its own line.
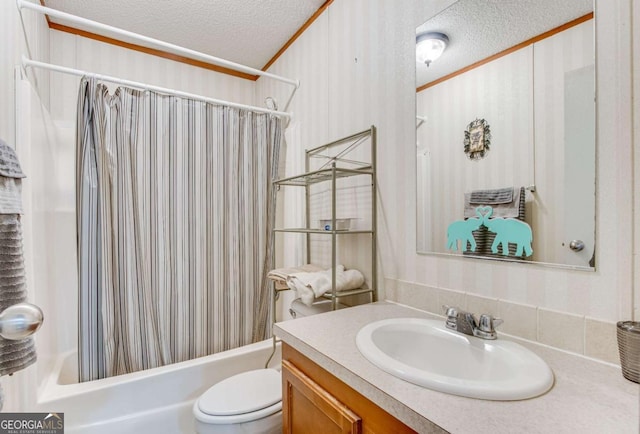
<point x="430" y="46"/>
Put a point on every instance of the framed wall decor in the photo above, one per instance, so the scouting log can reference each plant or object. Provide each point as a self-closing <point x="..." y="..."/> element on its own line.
<point x="477" y="139"/>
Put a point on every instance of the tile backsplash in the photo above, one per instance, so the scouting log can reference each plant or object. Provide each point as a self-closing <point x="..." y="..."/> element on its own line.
<point x="578" y="334"/>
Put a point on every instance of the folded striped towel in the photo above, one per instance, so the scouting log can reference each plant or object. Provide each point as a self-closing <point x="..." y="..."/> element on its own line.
<point x="491" y="197"/>
<point x="497" y="199"/>
<point x="14" y="355"/>
<point x="9" y="164"/>
<point x="10" y="181"/>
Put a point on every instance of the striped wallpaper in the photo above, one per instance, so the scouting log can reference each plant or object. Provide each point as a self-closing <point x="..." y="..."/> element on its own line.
<point x="367" y="77"/>
<point x="308" y="128"/>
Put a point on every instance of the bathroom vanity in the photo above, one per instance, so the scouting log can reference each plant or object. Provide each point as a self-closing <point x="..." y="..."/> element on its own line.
<point x="313" y="400"/>
<point x="328" y="382"/>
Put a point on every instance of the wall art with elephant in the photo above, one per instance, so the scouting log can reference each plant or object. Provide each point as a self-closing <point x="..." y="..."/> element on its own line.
<point x="509" y="237"/>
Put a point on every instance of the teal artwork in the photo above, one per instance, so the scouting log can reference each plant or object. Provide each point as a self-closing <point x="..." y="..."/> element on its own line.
<point x="463" y="230"/>
<point x="507" y="230"/>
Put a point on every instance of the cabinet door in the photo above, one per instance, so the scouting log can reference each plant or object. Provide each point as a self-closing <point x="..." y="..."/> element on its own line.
<point x="309" y="409"/>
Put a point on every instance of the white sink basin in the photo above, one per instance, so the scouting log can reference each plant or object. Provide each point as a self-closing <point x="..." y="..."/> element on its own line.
<point x="426" y="353"/>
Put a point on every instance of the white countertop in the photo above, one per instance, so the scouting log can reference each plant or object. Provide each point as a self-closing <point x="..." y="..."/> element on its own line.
<point x="588" y="396"/>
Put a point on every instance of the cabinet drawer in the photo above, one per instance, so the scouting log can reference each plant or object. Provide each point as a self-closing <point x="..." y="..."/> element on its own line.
<point x="372" y="419"/>
<point x="309" y="409"/>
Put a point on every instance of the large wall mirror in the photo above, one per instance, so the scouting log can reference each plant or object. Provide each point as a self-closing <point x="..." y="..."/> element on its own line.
<point x="505" y="128"/>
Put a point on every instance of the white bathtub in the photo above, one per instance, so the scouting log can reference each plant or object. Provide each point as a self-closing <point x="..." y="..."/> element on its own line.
<point x="154" y="401"/>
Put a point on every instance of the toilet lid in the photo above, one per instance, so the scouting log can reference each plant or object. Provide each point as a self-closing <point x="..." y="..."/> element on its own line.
<point x="246" y="392"/>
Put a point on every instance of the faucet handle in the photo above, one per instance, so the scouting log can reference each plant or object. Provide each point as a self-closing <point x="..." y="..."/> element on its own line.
<point x="487" y="323"/>
<point x="450" y="311"/>
<point x="452" y="316"/>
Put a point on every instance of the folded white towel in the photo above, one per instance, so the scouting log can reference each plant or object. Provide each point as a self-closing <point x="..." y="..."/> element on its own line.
<point x="279" y="275"/>
<point x="309" y="286"/>
<point x="283" y="273"/>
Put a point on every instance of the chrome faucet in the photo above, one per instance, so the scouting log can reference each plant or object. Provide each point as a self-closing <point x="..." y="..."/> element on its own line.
<point x="465" y="322"/>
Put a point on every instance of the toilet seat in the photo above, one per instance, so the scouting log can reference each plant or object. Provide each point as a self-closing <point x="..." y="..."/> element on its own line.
<point x="241" y="398"/>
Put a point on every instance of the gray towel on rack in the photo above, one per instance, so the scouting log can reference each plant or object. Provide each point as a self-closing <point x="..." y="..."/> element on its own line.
<point x="491" y="197"/>
<point x="495" y="199"/>
<point x="484" y="238"/>
<point x="14" y="355"/>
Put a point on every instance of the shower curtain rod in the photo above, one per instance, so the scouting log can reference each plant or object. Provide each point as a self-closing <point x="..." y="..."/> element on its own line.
<point x="136" y="84"/>
<point x="156" y="42"/>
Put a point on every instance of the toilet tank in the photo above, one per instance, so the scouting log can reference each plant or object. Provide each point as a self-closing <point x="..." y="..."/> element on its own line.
<point x="298" y="309"/>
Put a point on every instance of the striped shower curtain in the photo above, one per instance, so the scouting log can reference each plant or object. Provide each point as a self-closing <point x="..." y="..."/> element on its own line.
<point x="175" y="208"/>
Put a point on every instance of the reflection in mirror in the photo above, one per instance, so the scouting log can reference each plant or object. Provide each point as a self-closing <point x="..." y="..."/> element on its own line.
<point x="506" y="121"/>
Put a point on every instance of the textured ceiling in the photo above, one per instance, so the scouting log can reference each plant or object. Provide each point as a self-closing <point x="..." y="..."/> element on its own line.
<point x="249" y="32"/>
<point x="478" y="29"/>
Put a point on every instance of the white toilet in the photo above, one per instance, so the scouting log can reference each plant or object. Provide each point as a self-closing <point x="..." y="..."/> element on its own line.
<point x="299" y="310"/>
<point x="248" y="403"/>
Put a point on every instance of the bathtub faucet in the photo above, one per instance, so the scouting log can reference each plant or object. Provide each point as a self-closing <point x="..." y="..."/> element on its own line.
<point x="465" y="322"/>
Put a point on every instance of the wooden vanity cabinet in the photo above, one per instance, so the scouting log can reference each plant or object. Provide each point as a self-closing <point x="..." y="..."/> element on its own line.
<point x="316" y="402"/>
<point x="311" y="409"/>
